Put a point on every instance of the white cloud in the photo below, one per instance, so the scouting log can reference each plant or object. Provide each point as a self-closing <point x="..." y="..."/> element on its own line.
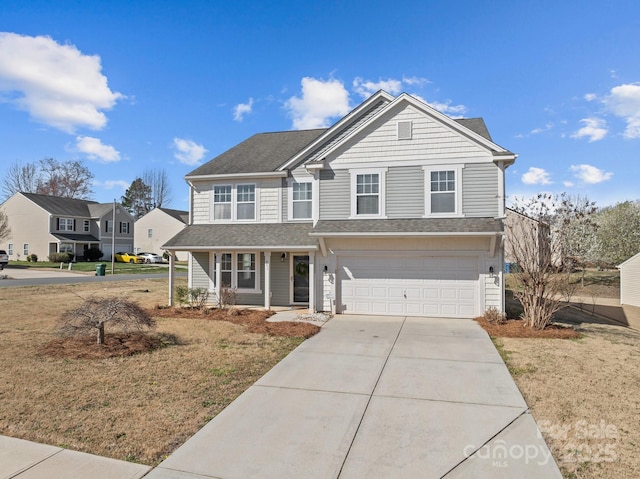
<point x="568" y="184"/>
<point x="366" y="88"/>
<point x="96" y="150"/>
<point x="419" y="81"/>
<point x="537" y="131"/>
<point x="188" y="151"/>
<point x="624" y="102"/>
<point x="242" y="109"/>
<point x="115" y="184"/>
<point x="56" y="84"/>
<point x="594" y="128"/>
<point x="454" y="111"/>
<point x="536" y="176"/>
<point x="590" y="174"/>
<point x="319" y="103"/>
<point x="591" y="96"/>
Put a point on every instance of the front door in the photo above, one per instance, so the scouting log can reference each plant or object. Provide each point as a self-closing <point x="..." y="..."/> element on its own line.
<point x="300" y="275"/>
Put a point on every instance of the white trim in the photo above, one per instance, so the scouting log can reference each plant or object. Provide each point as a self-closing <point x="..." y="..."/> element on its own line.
<point x="458" y="191"/>
<point x="382" y="181"/>
<point x="292" y="276"/>
<point x="234" y="203"/>
<point x="234" y="270"/>
<point x="404" y="122"/>
<point x="268" y="174"/>
<point x="394" y="234"/>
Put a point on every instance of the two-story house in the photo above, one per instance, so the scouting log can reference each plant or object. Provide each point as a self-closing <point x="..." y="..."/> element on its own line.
<point x="394" y="210"/>
<point x="43" y="224"/>
<point x="158" y="226"/>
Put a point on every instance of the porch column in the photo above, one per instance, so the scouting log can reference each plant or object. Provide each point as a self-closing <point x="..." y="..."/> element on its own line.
<point x="171" y="276"/>
<point x="312" y="281"/>
<point x="218" y="285"/>
<point x="267" y="280"/>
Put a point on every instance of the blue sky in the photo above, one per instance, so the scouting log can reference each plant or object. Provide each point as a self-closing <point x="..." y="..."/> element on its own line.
<point x="127" y="86"/>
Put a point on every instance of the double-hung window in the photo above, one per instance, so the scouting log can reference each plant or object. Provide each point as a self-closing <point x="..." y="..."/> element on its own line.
<point x="301" y="201"/>
<point x="442" y="191"/>
<point x="108" y="226"/>
<point x="124" y="227"/>
<point x="222" y="202"/>
<point x="246" y="202"/>
<point x="65" y="224"/>
<point x="86" y="226"/>
<point x="239" y="270"/>
<point x="368" y="192"/>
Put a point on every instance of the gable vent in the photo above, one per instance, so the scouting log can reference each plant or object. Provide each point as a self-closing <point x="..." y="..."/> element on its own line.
<point x="404" y="130"/>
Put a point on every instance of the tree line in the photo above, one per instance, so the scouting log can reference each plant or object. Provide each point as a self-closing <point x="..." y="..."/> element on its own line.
<point x="72" y="179"/>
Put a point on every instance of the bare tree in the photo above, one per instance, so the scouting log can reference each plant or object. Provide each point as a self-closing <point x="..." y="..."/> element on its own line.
<point x="69" y="179"/>
<point x="5" y="230"/>
<point x="158" y="181"/>
<point x="20" y="178"/>
<point x="92" y="316"/>
<point x="536" y="240"/>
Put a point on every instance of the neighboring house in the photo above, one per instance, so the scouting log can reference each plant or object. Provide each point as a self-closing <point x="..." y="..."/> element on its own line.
<point x="396" y="209"/>
<point x="630" y="281"/>
<point x="525" y="239"/>
<point x="157" y="227"/>
<point x="43" y="224"/>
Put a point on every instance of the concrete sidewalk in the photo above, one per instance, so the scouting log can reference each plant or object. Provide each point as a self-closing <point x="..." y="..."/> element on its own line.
<point x="375" y="397"/>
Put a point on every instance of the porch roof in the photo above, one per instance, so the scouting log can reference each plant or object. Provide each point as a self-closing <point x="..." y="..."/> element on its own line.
<point x="409" y="227"/>
<point x="76" y="238"/>
<point x="267" y="236"/>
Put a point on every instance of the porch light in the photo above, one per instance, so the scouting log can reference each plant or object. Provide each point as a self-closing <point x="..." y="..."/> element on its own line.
<point x="283" y="256"/>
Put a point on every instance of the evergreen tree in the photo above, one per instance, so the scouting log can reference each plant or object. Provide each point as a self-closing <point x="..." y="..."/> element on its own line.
<point x="137" y="199"/>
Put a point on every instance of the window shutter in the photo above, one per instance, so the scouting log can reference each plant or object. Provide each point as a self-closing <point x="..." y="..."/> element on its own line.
<point x="74" y="225"/>
<point x="58" y="224"/>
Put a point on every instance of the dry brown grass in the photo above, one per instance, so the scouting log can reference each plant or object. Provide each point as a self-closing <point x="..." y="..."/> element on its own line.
<point x="585" y="396"/>
<point x="137" y="408"/>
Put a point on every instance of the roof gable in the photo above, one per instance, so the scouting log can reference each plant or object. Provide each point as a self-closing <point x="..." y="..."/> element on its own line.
<point x="180" y="215"/>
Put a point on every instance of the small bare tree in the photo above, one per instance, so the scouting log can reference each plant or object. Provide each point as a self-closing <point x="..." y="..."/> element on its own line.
<point x="5" y="229"/>
<point x="537" y="238"/>
<point x="92" y="316"/>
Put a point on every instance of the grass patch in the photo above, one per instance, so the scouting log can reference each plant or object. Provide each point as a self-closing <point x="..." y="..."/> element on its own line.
<point x="138" y="407"/>
<point x="90" y="267"/>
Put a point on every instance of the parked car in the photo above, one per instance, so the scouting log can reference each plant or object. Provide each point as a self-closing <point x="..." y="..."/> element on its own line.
<point x="150" y="258"/>
<point x="4" y="259"/>
<point x="128" y="258"/>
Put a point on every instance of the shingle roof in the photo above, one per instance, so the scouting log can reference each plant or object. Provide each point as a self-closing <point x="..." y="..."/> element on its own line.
<point x="477" y="125"/>
<point x="255" y="235"/>
<point x="76" y="237"/>
<point x="180" y="215"/>
<point x="408" y="226"/>
<point x="61" y="206"/>
<point x="263" y="152"/>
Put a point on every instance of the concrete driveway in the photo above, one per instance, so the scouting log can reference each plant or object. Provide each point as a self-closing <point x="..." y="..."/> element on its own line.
<point x="373" y="397"/>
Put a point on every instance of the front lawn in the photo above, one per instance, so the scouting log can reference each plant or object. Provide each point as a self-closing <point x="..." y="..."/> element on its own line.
<point x="90" y="267"/>
<point x="137" y="408"/>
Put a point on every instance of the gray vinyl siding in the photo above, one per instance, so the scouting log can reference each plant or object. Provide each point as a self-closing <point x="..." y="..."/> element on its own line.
<point x="335" y="195"/>
<point x="405" y="192"/>
<point x="200" y="270"/>
<point x="285" y="200"/>
<point x="480" y="189"/>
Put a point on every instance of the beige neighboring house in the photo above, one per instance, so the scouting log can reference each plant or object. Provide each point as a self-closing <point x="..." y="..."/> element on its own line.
<point x="630" y="281"/>
<point x="43" y="224"/>
<point x="157" y="227"/>
<point x="521" y="230"/>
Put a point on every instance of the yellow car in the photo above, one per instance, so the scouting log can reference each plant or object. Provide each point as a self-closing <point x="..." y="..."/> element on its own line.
<point x="128" y="258"/>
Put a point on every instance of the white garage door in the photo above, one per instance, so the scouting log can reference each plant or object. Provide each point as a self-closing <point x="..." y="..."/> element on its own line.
<point x="106" y="250"/>
<point x="438" y="286"/>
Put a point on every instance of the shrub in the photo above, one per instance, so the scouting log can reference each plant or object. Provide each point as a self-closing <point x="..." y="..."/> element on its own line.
<point x="32" y="258"/>
<point x="61" y="257"/>
<point x="228" y="297"/>
<point x="493" y="315"/>
<point x="93" y="254"/>
<point x="196" y="297"/>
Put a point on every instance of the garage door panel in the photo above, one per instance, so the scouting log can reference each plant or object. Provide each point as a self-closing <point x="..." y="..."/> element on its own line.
<point x="433" y="286"/>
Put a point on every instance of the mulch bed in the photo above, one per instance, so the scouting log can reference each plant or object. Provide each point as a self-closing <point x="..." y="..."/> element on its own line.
<point x="515" y="328"/>
<point x="255" y="320"/>
<point x="115" y="345"/>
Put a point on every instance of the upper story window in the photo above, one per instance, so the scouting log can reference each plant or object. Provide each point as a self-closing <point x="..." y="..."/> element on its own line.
<point x="234" y="202"/>
<point x="86" y="226"/>
<point x="65" y="224"/>
<point x="108" y="226"/>
<point x="367" y="197"/>
<point x="124" y="227"/>
<point x="10" y="248"/>
<point x="301" y="201"/>
<point x="222" y="202"/>
<point x="150" y="233"/>
<point x="246" y="202"/>
<point x="443" y="191"/>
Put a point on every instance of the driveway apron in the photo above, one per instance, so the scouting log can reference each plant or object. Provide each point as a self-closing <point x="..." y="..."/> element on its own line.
<point x="375" y="397"/>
